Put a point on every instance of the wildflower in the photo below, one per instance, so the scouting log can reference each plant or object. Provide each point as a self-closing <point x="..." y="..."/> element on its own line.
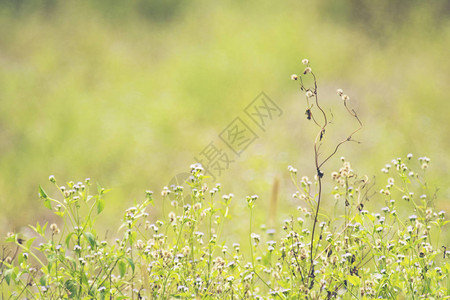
<point x="251" y="200"/>
<point x="305" y="181"/>
<point x="309" y="94"/>
<point x="305" y="61"/>
<point x="345" y="97"/>
<point x="183" y="288"/>
<point x="294" y="77"/>
<point x="248" y="277"/>
<point x="165" y="191"/>
<point x="307" y="70"/>
<point x="419" y="225"/>
<point x="140" y="244"/>
<point x="54" y="228"/>
<point x="52" y="179"/>
<point x="412" y="217"/>
<point x="270" y="231"/>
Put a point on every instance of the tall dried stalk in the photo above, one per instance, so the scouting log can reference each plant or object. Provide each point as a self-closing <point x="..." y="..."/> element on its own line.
<point x="311" y="111"/>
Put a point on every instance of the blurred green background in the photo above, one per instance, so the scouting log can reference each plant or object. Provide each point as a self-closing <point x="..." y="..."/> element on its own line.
<point x="128" y="92"/>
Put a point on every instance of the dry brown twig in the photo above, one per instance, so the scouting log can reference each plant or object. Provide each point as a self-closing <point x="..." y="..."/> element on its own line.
<point x="312" y="92"/>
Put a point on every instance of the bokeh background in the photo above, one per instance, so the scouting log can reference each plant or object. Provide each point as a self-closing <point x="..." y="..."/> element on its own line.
<point x="129" y="92"/>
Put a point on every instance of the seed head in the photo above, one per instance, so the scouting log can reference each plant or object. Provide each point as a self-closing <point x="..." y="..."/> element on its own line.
<point x="172" y="216"/>
<point x="52" y="178"/>
<point x="54" y="228"/>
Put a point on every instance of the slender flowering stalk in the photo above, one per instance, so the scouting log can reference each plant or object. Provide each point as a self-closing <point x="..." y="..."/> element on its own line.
<point x="313" y="92"/>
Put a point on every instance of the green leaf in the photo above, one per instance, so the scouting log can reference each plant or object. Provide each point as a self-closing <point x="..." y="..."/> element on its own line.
<point x="34" y="228"/>
<point x="47" y="203"/>
<point x="44" y="227"/>
<point x="68" y="239"/>
<point x="358" y="219"/>
<point x="122" y="268"/>
<point x="13" y="274"/>
<point x="370" y="217"/>
<point x="72" y="261"/>
<point x="43" y="280"/>
<point x="49" y="267"/>
<point x="71" y="286"/>
<point x="84" y="278"/>
<point x="59" y="213"/>
<point x="11" y="239"/>
<point x="133" y="237"/>
<point x="42" y="193"/>
<point x="355" y="280"/>
<point x="100" y="205"/>
<point x="91" y="239"/>
<point x="130" y="261"/>
<point x="8" y="275"/>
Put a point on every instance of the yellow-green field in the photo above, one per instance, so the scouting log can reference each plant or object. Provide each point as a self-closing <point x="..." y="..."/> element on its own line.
<point x="129" y="93"/>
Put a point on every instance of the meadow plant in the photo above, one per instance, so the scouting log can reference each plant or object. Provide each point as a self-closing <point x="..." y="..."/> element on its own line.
<point x="354" y="254"/>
